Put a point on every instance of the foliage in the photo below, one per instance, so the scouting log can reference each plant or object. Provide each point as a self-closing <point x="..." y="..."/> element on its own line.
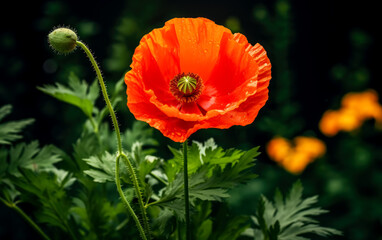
<point x="288" y="218"/>
<point x="9" y="130"/>
<point x="77" y="93"/>
<point x="314" y="64"/>
<point x="73" y="194"/>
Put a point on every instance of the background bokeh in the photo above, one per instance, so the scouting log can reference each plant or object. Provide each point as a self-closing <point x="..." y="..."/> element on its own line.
<point x="320" y="50"/>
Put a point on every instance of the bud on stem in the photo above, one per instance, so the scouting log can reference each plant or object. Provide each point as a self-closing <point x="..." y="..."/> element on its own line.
<point x="63" y="40"/>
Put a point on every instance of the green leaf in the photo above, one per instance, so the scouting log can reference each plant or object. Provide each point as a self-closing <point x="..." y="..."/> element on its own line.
<point x="9" y="130"/>
<point x="30" y="156"/>
<point x="3" y="162"/>
<point x="143" y="162"/>
<point x="227" y="226"/>
<point x="205" y="229"/>
<point x="165" y="222"/>
<point x="139" y="132"/>
<point x="103" y="167"/>
<point x="212" y="154"/>
<point x="96" y="214"/>
<point x="288" y="219"/>
<point x="209" y="153"/>
<point x="9" y="190"/>
<point x="48" y="190"/>
<point x="209" y="180"/>
<point x="77" y="93"/>
<point x="86" y="146"/>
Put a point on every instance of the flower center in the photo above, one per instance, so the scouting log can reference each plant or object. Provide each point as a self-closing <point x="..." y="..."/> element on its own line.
<point x="186" y="88"/>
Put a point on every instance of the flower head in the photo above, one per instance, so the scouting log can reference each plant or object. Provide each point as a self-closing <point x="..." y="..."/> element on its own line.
<point x="192" y="74"/>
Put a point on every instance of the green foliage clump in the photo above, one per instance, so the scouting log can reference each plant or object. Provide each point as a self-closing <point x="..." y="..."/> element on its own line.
<point x="287" y="219"/>
<point x="73" y="194"/>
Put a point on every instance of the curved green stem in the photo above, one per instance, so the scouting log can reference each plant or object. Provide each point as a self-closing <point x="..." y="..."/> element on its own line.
<point x="186" y="195"/>
<point x="124" y="200"/>
<point x="134" y="179"/>
<point x="104" y="92"/>
<point x="118" y="133"/>
<point x="26" y="217"/>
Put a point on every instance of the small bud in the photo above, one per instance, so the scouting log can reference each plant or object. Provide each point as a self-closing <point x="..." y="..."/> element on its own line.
<point x="63" y="40"/>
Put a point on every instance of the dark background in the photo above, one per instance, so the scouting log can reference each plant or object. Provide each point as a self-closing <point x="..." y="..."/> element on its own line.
<point x="319" y="50"/>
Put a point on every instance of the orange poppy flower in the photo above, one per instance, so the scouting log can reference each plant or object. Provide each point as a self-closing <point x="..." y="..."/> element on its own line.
<point x="192" y="74"/>
<point x="355" y="109"/>
<point x="295" y="157"/>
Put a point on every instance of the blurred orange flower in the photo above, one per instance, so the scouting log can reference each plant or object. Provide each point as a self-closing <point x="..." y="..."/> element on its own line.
<point x="355" y="109"/>
<point x="365" y="104"/>
<point x="294" y="157"/>
<point x="278" y="149"/>
<point x="193" y="74"/>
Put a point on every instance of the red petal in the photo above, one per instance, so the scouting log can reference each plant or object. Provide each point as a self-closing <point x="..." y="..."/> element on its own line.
<point x="156" y="62"/>
<point x="234" y="77"/>
<point x="199" y="44"/>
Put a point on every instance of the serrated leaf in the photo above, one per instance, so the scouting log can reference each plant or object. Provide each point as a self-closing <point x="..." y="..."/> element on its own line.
<point x="30" y="156"/>
<point x="77" y="93"/>
<point x="86" y="146"/>
<point x="96" y="214"/>
<point x="103" y="168"/>
<point x="139" y="132"/>
<point x="5" y="110"/>
<point x="287" y="219"/>
<point x="226" y="226"/>
<point x="177" y="207"/>
<point x="165" y="222"/>
<point x="9" y="190"/>
<point x="213" y="194"/>
<point x="49" y="194"/>
<point x="9" y="131"/>
<point x="211" y="180"/>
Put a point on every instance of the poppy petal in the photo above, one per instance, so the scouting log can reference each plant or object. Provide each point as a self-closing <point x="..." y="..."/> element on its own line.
<point x="199" y="43"/>
<point x="156" y="61"/>
<point x="234" y="77"/>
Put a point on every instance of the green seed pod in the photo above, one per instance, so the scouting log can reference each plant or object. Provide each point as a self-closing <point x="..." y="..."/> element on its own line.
<point x="63" y="40"/>
<point x="187" y="84"/>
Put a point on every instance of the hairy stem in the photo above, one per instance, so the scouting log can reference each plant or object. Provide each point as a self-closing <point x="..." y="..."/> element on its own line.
<point x="124" y="200"/>
<point x="186" y="196"/>
<point x="104" y="92"/>
<point x="118" y="133"/>
<point x="134" y="179"/>
<point x="27" y="218"/>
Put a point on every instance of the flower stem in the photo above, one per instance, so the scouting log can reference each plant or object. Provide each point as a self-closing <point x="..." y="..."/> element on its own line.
<point x="124" y="200"/>
<point x="104" y="92"/>
<point x="26" y="217"/>
<point x="186" y="196"/>
<point x="119" y="142"/>
<point x="139" y="194"/>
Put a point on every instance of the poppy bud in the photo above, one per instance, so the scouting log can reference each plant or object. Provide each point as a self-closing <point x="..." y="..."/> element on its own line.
<point x="63" y="40"/>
